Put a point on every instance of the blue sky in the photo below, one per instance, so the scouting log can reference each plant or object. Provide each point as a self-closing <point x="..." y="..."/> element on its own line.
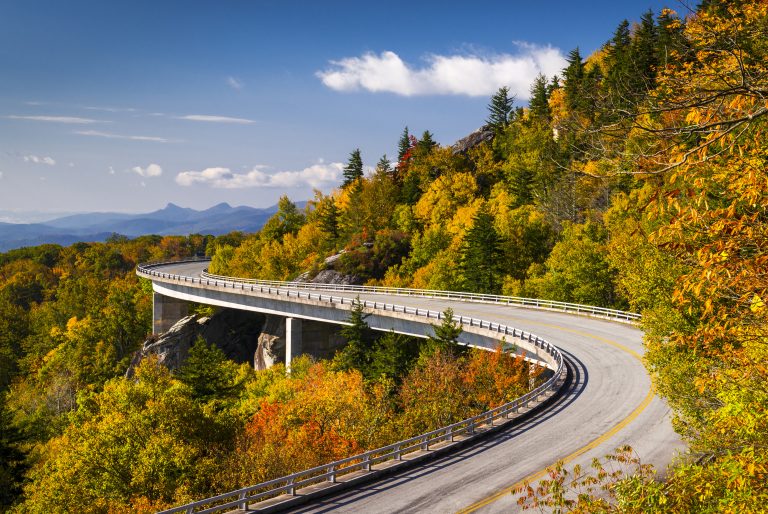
<point x="125" y="106"/>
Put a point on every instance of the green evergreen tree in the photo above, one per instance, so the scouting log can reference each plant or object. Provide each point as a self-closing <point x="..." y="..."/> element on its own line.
<point x="357" y="352"/>
<point x="644" y="56"/>
<point x="445" y="337"/>
<point x="480" y="261"/>
<point x="384" y="166"/>
<point x="403" y="145"/>
<point x="354" y="168"/>
<point x="209" y="373"/>
<point x="328" y="215"/>
<point x="574" y="77"/>
<point x="618" y="62"/>
<point x="393" y="356"/>
<point x="669" y="38"/>
<point x="539" y="102"/>
<point x="500" y="109"/>
<point x="427" y="142"/>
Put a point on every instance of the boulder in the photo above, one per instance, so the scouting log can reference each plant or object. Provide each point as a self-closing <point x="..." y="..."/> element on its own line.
<point x="329" y="276"/>
<point x="476" y="138"/>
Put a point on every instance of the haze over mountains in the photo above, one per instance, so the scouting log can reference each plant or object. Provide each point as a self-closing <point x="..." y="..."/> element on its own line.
<point x="98" y="226"/>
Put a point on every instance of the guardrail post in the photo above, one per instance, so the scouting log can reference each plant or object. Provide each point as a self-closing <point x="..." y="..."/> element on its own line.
<point x="243" y="504"/>
<point x="291" y="490"/>
<point x="367" y="463"/>
<point x="398" y="455"/>
<point x="471" y="426"/>
<point x="332" y="475"/>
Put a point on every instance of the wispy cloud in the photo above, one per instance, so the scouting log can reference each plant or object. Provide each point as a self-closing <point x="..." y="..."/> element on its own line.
<point x="39" y="160"/>
<point x="235" y="83"/>
<point x="56" y="119"/>
<point x="153" y="170"/>
<point x="109" y="135"/>
<point x="109" y="109"/>
<point x="471" y="75"/>
<point x="318" y="175"/>
<point x="216" y="119"/>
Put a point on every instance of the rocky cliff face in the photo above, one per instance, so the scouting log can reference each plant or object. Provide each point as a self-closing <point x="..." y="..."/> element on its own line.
<point x="476" y="138"/>
<point x="271" y="343"/>
<point x="235" y="332"/>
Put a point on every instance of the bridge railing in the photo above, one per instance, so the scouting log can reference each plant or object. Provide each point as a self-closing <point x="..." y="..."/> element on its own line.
<point x="535" y="303"/>
<point x="240" y="498"/>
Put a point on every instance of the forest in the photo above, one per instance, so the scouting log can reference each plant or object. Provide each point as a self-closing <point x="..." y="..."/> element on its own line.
<point x="635" y="179"/>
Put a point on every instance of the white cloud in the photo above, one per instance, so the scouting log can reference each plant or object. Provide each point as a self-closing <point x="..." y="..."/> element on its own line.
<point x="108" y="135"/>
<point x="153" y="170"/>
<point x="109" y="109"/>
<point x="39" y="160"/>
<point x="111" y="170"/>
<point x="216" y="119"/>
<point x="1" y="174"/>
<point x="471" y="75"/>
<point x="235" y="84"/>
<point x="318" y="175"/>
<point x="56" y="119"/>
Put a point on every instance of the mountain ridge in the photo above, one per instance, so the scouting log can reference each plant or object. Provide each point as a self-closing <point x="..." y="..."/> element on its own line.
<point x="170" y="220"/>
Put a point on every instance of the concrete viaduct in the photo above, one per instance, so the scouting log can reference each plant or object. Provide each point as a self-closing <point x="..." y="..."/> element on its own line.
<point x="607" y="402"/>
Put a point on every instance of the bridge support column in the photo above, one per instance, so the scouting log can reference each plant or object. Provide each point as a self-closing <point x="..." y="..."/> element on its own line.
<point x="166" y="311"/>
<point x="292" y="340"/>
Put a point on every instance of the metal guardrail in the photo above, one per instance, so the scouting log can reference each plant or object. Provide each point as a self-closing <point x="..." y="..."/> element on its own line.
<point x="572" y="308"/>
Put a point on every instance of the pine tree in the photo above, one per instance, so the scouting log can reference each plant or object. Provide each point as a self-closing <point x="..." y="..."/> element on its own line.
<point x="448" y="331"/>
<point x="574" y="76"/>
<point x="669" y="38"/>
<point x="539" y="103"/>
<point x="500" y="109"/>
<point x="384" y="166"/>
<point x="208" y="372"/>
<point x="644" y="55"/>
<point x="357" y="353"/>
<point x="426" y="143"/>
<point x="445" y="338"/>
<point x="354" y="168"/>
<point x="480" y="260"/>
<point x="403" y="145"/>
<point x="328" y="214"/>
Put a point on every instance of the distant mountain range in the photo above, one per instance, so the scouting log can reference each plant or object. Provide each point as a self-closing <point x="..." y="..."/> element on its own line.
<point x="98" y="226"/>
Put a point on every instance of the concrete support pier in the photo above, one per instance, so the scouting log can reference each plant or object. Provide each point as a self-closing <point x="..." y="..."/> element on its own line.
<point x="166" y="311"/>
<point x="293" y="339"/>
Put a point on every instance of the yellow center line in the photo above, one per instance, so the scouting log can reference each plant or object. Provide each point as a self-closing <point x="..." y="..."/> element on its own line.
<point x="591" y="445"/>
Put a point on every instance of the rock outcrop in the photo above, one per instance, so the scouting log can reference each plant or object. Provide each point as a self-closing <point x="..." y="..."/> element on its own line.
<point x="476" y="138"/>
<point x="329" y="275"/>
<point x="271" y="343"/>
<point x="235" y="332"/>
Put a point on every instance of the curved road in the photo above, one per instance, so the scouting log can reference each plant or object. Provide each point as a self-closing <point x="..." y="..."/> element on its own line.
<point x="609" y="403"/>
